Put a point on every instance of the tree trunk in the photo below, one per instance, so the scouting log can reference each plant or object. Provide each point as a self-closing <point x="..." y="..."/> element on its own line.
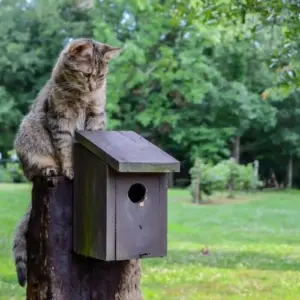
<point x="197" y="184"/>
<point x="171" y="180"/>
<point x="236" y="149"/>
<point x="290" y="173"/>
<point x="230" y="189"/>
<point x="54" y="271"/>
<point x="274" y="179"/>
<point x="256" y="174"/>
<point x="197" y="193"/>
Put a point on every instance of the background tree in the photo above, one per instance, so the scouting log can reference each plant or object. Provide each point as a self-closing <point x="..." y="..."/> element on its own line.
<point x="33" y="33"/>
<point x="209" y="79"/>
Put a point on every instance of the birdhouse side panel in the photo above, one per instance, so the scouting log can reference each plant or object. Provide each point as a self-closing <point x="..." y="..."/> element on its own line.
<point x="110" y="215"/>
<point x="90" y="204"/>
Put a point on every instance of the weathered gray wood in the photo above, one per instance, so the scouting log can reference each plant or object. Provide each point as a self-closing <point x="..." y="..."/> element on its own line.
<point x="141" y="228"/>
<point x="94" y="216"/>
<point x="163" y="212"/>
<point x="54" y="272"/>
<point x="126" y="151"/>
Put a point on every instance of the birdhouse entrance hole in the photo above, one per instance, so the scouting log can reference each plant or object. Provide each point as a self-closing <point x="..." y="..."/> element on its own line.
<point x="137" y="193"/>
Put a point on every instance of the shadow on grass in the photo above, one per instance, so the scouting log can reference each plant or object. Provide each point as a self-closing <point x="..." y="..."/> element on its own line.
<point x="224" y="259"/>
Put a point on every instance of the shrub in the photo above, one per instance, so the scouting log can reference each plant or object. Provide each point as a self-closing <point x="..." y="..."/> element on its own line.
<point x="226" y="175"/>
<point x="15" y="172"/>
<point x="212" y="178"/>
<point x="12" y="171"/>
<point x="4" y="175"/>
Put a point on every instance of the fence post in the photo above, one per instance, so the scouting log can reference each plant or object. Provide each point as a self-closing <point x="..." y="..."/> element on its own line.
<point x="54" y="271"/>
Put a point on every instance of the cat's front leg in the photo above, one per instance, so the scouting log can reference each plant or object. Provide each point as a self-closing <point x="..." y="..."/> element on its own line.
<point x="95" y="118"/>
<point x="62" y="135"/>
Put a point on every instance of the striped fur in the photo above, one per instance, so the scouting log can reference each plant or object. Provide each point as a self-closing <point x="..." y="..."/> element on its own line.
<point x="73" y="98"/>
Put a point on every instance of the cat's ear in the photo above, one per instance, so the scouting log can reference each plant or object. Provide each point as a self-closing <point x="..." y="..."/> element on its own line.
<point x="110" y="52"/>
<point x="80" y="49"/>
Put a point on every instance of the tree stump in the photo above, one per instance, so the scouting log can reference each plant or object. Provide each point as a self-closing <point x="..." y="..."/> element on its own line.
<point x="54" y="271"/>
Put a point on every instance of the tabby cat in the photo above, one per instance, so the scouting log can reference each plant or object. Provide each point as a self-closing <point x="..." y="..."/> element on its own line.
<point x="73" y="98"/>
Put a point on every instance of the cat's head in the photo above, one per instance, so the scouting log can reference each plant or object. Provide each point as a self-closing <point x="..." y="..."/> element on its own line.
<point x="83" y="64"/>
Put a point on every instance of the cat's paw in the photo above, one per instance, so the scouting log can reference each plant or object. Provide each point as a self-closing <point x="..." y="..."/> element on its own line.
<point x="95" y="125"/>
<point x="69" y="173"/>
<point x="51" y="172"/>
<point x="93" y="128"/>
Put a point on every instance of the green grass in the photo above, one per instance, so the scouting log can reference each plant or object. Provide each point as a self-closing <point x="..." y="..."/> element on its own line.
<point x="252" y="243"/>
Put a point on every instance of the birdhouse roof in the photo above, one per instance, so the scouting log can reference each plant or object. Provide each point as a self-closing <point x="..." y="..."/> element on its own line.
<point x="126" y="151"/>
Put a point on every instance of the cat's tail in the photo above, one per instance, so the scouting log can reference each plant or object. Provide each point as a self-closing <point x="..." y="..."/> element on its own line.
<point x="20" y="248"/>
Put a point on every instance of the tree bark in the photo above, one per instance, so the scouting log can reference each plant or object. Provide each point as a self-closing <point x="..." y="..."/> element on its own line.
<point x="274" y="179"/>
<point x="236" y="149"/>
<point x="171" y="180"/>
<point x="290" y="173"/>
<point x="230" y="189"/>
<point x="255" y="174"/>
<point x="197" y="184"/>
<point x="54" y="272"/>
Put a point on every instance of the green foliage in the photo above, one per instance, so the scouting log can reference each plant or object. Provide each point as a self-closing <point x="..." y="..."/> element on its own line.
<point x="11" y="171"/>
<point x="32" y="35"/>
<point x="185" y="84"/>
<point x="225" y="175"/>
<point x="15" y="172"/>
<point x="279" y="17"/>
<point x="212" y="177"/>
<point x="4" y="175"/>
<point x="247" y="179"/>
<point x="193" y="75"/>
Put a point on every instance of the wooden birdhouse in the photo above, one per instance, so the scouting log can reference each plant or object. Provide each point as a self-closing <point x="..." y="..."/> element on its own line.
<point x="120" y="195"/>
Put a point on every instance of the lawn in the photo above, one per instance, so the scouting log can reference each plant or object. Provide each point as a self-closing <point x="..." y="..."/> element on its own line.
<point x="247" y="248"/>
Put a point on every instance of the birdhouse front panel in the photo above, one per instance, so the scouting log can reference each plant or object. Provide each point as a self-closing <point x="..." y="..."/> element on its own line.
<point x="141" y="215"/>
